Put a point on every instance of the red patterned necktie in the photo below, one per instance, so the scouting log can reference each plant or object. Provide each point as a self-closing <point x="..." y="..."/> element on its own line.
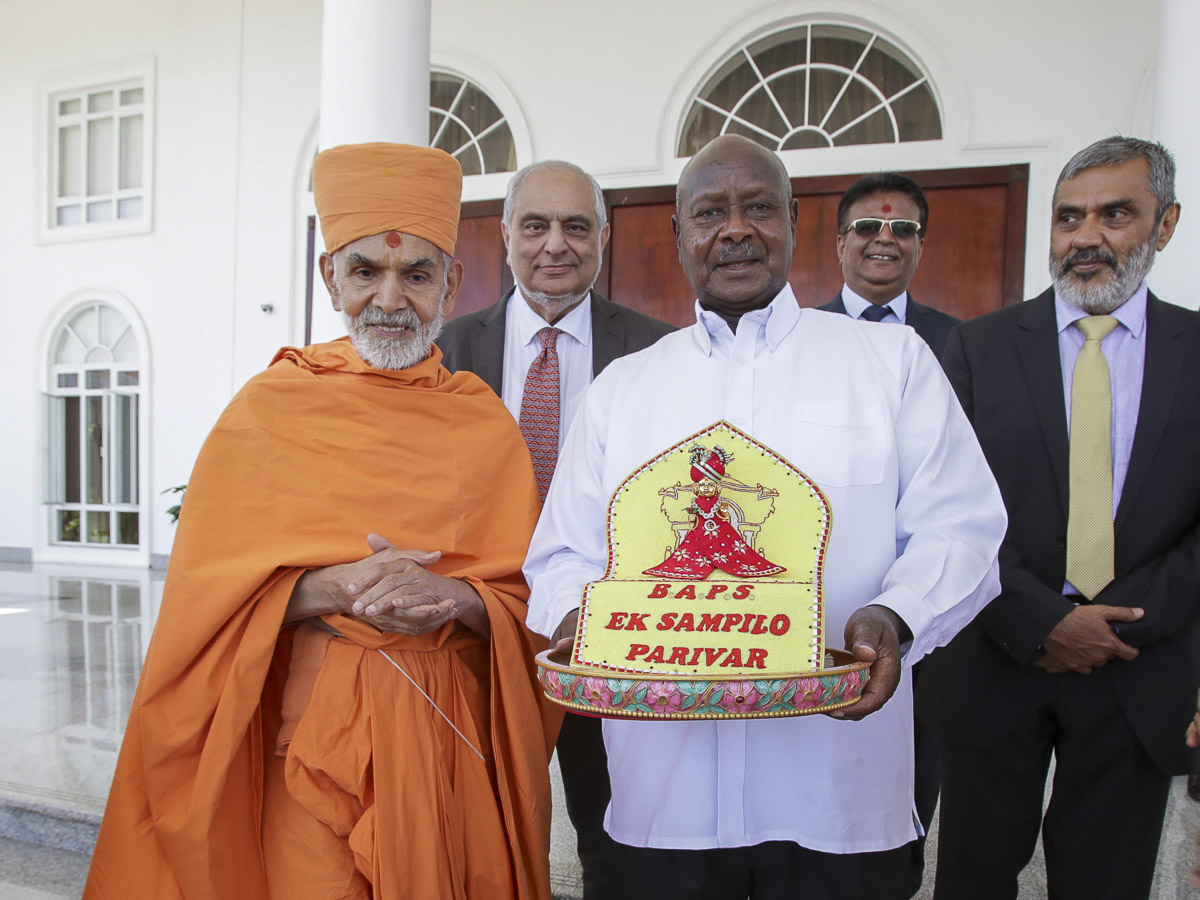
<point x="540" y="410"/>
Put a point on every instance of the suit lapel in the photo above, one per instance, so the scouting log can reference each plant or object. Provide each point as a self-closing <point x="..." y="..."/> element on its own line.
<point x="836" y="305"/>
<point x="1037" y="346"/>
<point x="608" y="334"/>
<point x="1160" y="382"/>
<point x="487" y="345"/>
<point x="914" y="317"/>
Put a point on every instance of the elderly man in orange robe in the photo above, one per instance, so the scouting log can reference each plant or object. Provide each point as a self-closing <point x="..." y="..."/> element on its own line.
<point x="339" y="699"/>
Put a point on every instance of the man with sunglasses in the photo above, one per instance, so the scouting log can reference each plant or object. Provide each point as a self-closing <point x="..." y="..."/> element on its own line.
<point x="881" y="231"/>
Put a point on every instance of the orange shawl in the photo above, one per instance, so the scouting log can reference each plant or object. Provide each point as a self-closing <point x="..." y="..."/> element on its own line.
<point x="310" y="457"/>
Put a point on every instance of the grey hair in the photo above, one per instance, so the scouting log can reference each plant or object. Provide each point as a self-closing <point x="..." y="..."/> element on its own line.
<point x="517" y="180"/>
<point x="785" y="180"/>
<point x="1117" y="150"/>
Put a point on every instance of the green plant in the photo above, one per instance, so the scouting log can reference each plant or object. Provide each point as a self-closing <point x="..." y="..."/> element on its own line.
<point x="69" y="527"/>
<point x="173" y="511"/>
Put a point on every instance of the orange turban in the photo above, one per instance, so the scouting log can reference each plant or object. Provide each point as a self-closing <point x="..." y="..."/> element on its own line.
<point x="365" y="189"/>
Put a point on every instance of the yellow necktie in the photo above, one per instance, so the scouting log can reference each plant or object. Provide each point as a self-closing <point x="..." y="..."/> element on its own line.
<point x="1090" y="517"/>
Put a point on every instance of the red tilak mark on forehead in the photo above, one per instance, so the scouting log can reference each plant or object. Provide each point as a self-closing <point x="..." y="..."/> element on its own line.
<point x="887" y="207"/>
<point x="394" y="239"/>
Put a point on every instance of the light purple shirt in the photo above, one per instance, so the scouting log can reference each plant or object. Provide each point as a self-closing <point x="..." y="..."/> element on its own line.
<point x="1125" y="350"/>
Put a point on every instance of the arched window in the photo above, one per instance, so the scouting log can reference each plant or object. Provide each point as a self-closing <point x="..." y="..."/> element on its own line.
<point x="92" y="434"/>
<point x="820" y="84"/>
<point x="466" y="123"/>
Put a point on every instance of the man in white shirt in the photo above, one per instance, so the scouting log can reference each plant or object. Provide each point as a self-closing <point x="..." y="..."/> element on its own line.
<point x="555" y="228"/>
<point x="812" y="806"/>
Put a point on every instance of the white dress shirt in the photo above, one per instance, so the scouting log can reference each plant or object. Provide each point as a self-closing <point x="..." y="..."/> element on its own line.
<point x="917" y="520"/>
<point x="522" y="345"/>
<point x="855" y="304"/>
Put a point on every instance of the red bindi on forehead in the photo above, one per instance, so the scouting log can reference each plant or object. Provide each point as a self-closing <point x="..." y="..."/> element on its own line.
<point x="887" y="207"/>
<point x="394" y="239"/>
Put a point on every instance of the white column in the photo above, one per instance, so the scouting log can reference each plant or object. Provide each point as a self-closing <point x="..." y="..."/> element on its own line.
<point x="1177" y="126"/>
<point x="375" y="72"/>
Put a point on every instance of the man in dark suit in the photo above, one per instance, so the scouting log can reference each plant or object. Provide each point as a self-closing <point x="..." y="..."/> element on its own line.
<point x="882" y="219"/>
<point x="546" y="340"/>
<point x="1085" y="403"/>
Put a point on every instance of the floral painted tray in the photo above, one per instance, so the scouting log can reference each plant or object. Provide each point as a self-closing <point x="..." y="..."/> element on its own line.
<point x="688" y="697"/>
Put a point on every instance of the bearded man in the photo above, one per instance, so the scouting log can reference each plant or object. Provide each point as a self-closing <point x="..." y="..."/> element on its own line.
<point x="1085" y="403"/>
<point x="322" y="714"/>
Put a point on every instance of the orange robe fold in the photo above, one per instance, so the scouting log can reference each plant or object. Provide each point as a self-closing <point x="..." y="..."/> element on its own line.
<point x="310" y="457"/>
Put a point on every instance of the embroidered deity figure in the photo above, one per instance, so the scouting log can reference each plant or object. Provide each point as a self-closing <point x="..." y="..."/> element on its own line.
<point x="712" y="542"/>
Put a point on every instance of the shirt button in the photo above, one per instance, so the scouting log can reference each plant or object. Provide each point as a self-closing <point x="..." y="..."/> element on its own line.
<point x="742" y="360"/>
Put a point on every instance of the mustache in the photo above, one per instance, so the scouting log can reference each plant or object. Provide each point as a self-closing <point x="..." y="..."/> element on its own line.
<point x="733" y="253"/>
<point x="401" y="318"/>
<point x="1090" y="255"/>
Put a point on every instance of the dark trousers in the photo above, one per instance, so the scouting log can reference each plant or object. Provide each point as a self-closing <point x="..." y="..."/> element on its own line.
<point x="1102" y="826"/>
<point x="584" y="766"/>
<point x="926" y="782"/>
<point x="774" y="870"/>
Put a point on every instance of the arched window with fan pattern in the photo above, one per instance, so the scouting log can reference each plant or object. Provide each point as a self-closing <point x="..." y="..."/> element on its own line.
<point x="466" y="123"/>
<point x="820" y="84"/>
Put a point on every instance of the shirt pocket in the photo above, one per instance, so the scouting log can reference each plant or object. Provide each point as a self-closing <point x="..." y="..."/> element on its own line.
<point x="839" y="443"/>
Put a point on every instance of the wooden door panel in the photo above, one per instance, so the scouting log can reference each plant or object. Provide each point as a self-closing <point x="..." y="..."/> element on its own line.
<point x="973" y="261"/>
<point x="962" y="263"/>
<point x="481" y="249"/>
<point x="644" y="270"/>
<point x="815" y="276"/>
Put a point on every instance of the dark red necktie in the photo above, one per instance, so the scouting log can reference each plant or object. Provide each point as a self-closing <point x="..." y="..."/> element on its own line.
<point x="540" y="410"/>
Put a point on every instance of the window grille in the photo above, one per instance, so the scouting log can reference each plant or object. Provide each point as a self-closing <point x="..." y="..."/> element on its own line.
<point x="820" y="84"/>
<point x="99" y="156"/>
<point x="466" y="123"/>
<point x="92" y="431"/>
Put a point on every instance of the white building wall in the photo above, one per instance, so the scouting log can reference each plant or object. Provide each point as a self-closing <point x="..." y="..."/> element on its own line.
<point x="1176" y="118"/>
<point x="603" y="85"/>
<point x="179" y="278"/>
<point x="281" y="85"/>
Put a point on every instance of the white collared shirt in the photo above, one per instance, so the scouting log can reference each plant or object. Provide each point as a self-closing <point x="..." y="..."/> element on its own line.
<point x="522" y="346"/>
<point x="917" y="520"/>
<point x="855" y="304"/>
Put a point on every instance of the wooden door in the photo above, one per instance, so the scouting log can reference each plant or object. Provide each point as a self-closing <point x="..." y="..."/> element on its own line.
<point x="973" y="261"/>
<point x="486" y="276"/>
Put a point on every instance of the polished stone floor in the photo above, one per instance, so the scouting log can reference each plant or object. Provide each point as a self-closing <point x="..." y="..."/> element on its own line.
<point x="71" y="645"/>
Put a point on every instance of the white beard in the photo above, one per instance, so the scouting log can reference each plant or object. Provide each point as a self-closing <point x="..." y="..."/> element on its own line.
<point x="554" y="304"/>
<point x="1099" y="298"/>
<point x="393" y="353"/>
